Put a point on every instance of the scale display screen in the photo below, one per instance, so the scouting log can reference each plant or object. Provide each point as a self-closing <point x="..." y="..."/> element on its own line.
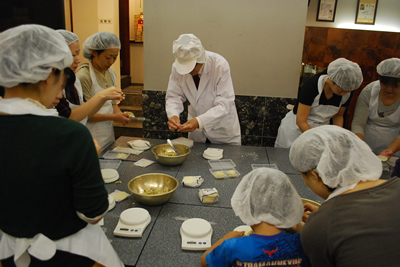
<point x="191" y="243"/>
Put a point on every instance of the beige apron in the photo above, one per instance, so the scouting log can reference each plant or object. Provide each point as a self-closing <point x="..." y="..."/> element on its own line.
<point x="102" y="131"/>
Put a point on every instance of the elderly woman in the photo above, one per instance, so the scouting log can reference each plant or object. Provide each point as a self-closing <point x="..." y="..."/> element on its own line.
<point x="377" y="114"/>
<point x="102" y="50"/>
<point x="322" y="98"/>
<point x="53" y="193"/>
<point x="72" y="105"/>
<point x="357" y="225"/>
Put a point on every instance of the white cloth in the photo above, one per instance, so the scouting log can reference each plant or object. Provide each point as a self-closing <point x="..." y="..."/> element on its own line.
<point x="213" y="102"/>
<point x="102" y="131"/>
<point x="267" y="195"/>
<point x="319" y="115"/>
<point x="380" y="132"/>
<point x="19" y="106"/>
<point x="340" y="190"/>
<point x="28" y="53"/>
<point x="90" y="242"/>
<point x="338" y="156"/>
<point x="78" y="87"/>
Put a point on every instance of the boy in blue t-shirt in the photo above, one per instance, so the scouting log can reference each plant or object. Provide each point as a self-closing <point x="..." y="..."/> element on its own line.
<point x="266" y="200"/>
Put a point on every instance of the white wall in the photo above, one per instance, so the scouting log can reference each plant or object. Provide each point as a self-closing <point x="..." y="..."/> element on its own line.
<point x="137" y="75"/>
<point x="86" y="15"/>
<point x="262" y="40"/>
<point x="387" y="16"/>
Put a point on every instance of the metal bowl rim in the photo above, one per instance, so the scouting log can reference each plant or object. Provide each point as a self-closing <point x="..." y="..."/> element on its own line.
<point x="140" y="176"/>
<point x="152" y="150"/>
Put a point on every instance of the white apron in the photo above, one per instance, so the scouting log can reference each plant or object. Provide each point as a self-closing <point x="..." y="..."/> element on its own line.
<point x="89" y="242"/>
<point x="78" y="87"/>
<point x="102" y="131"/>
<point x="319" y="115"/>
<point x="380" y="132"/>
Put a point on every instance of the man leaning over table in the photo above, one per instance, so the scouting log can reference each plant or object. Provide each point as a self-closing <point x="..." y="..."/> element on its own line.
<point x="203" y="78"/>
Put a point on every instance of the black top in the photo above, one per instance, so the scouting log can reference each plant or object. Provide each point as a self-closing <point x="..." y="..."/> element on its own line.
<point x="309" y="91"/>
<point x="49" y="171"/>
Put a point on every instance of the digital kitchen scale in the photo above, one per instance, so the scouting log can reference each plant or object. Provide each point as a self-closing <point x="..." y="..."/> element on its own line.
<point x="132" y="222"/>
<point x="196" y="234"/>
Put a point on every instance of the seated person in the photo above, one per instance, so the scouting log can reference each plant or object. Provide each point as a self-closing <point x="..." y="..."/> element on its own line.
<point x="267" y="201"/>
<point x="357" y="225"/>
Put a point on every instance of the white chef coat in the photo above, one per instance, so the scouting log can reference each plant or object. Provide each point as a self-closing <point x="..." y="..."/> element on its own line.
<point x="213" y="102"/>
<point x="102" y="131"/>
<point x="90" y="242"/>
<point x="319" y="115"/>
<point x="380" y="132"/>
<point x="78" y="87"/>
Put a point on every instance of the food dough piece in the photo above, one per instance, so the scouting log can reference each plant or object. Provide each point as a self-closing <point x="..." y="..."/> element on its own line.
<point x="166" y="153"/>
<point x="155" y="191"/>
<point x="383" y="158"/>
<point x="131" y="115"/>
<point x="209" y="195"/>
<point x="219" y="174"/>
<point x="120" y="196"/>
<point x="192" y="181"/>
<point x="249" y="232"/>
<point x="231" y="173"/>
<point x="122" y="156"/>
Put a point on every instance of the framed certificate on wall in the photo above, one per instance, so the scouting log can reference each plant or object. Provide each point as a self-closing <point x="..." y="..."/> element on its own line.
<point x="366" y="11"/>
<point x="326" y="10"/>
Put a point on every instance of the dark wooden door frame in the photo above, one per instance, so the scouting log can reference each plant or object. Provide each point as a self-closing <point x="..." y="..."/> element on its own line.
<point x="124" y="37"/>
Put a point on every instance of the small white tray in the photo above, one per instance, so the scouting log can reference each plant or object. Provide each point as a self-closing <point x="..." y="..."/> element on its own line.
<point x="256" y="166"/>
<point x="113" y="155"/>
<point x="109" y="164"/>
<point x="224" y="171"/>
<point x="222" y="164"/>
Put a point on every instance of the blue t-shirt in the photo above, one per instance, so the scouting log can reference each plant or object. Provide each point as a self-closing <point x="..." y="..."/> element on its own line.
<point x="258" y="250"/>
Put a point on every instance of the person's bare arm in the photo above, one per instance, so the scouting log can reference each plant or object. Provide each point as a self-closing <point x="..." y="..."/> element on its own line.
<point x="392" y="148"/>
<point x="303" y="111"/>
<point x="117" y="116"/>
<point x="90" y="107"/>
<point x="229" y="235"/>
<point x="338" y="118"/>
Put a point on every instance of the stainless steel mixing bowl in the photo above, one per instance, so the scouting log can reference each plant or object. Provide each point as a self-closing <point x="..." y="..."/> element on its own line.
<point x="159" y="150"/>
<point x="156" y="181"/>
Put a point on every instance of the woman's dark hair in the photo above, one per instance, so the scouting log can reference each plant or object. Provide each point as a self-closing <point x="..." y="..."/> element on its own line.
<point x="329" y="188"/>
<point x="99" y="52"/>
<point x="57" y="73"/>
<point x="71" y="94"/>
<point x="394" y="82"/>
<point x="2" y="91"/>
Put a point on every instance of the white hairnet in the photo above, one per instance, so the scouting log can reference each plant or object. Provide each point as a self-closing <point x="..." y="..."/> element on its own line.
<point x="29" y="52"/>
<point x="267" y="195"/>
<point x="336" y="154"/>
<point x="69" y="37"/>
<point x="100" y="41"/>
<point x="389" y="68"/>
<point x="346" y="74"/>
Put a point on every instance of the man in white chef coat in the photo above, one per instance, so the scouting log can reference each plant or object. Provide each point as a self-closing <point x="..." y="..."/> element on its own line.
<point x="203" y="78"/>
